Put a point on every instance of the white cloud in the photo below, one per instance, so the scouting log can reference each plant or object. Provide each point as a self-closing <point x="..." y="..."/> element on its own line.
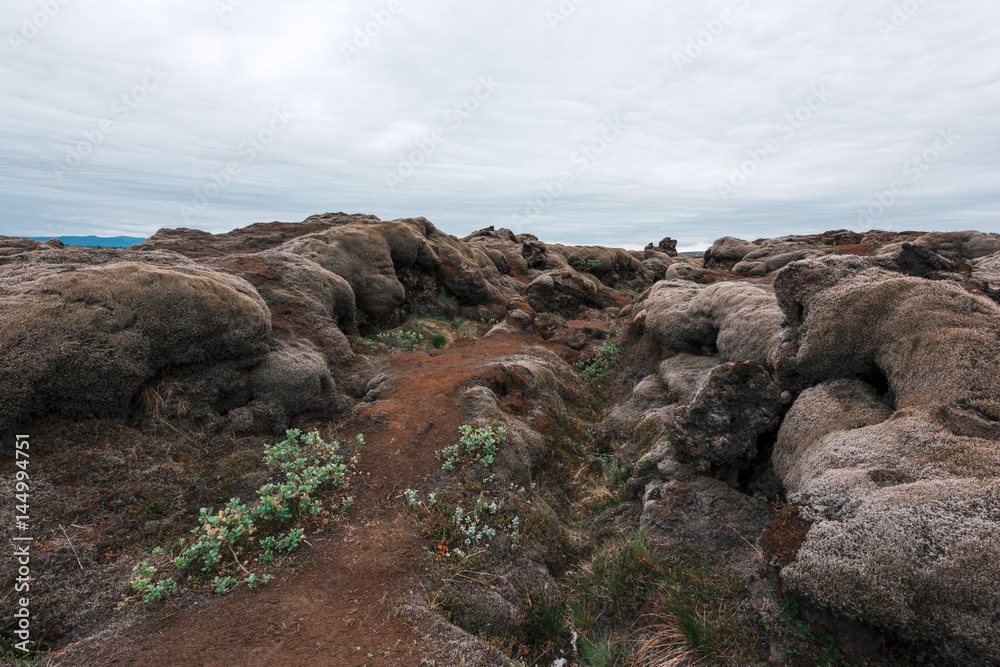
<point x="357" y="118"/>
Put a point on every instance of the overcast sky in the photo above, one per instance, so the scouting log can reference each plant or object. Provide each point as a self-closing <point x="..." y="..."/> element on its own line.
<point x="581" y="121"/>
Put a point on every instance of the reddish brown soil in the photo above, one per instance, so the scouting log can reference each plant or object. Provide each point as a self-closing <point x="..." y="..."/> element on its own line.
<point x="783" y="537"/>
<point x="338" y="610"/>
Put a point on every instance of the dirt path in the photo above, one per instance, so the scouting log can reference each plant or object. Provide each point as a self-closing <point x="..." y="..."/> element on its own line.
<point x="338" y="610"/>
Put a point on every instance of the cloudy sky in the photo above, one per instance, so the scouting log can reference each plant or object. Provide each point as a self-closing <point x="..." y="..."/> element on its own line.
<point x="579" y="121"/>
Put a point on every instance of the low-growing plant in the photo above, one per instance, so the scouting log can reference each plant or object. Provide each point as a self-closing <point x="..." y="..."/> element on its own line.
<point x="614" y="472"/>
<point x="583" y="264"/>
<point x="607" y="358"/>
<point x="223" y="584"/>
<point x="479" y="443"/>
<point x="388" y="342"/>
<point x="151" y="591"/>
<point x="253" y="580"/>
<point x="458" y="530"/>
<point x="237" y="534"/>
<point x="796" y="638"/>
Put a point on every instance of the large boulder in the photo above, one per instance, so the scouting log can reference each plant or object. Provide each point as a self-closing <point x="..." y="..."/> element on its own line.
<point x="774" y="255"/>
<point x="612" y="266"/>
<point x="933" y="342"/>
<point x="960" y="245"/>
<point x="726" y="252"/>
<point x="736" y="320"/>
<point x="894" y="453"/>
<point x="681" y="506"/>
<point x="506" y="250"/>
<point x="83" y="340"/>
<point x="258" y="237"/>
<point x="720" y="427"/>
<point x="305" y="299"/>
<point x="987" y="270"/>
<point x="375" y="259"/>
<point x="569" y="292"/>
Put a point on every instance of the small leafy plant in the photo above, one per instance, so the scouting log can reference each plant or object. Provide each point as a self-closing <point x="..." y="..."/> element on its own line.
<point x="583" y="264"/>
<point x="388" y="342"/>
<point x="457" y="530"/>
<point x="237" y="535"/>
<point x="479" y="443"/>
<point x="796" y="638"/>
<point x="143" y="583"/>
<point x="602" y="363"/>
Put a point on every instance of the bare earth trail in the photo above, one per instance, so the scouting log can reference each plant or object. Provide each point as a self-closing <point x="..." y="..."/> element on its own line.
<point x="338" y="610"/>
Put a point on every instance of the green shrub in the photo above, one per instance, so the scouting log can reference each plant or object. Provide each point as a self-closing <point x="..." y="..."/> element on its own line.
<point x="602" y="363"/>
<point x="481" y="443"/>
<point x="143" y="583"/>
<point x="233" y="536"/>
<point x="582" y="263"/>
<point x="388" y="342"/>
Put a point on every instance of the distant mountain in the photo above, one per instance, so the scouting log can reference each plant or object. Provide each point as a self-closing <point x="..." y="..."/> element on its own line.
<point x="102" y="241"/>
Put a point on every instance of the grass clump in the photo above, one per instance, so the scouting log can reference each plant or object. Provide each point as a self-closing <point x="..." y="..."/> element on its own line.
<point x="610" y="591"/>
<point x="668" y="595"/>
<point x="447" y="298"/>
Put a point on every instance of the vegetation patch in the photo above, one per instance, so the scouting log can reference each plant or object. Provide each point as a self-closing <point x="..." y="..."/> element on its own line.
<point x="600" y="366"/>
<point x="239" y="539"/>
<point x="583" y="264"/>
<point x="479" y="444"/>
<point x="388" y="342"/>
<point x="797" y="641"/>
<point x="420" y="333"/>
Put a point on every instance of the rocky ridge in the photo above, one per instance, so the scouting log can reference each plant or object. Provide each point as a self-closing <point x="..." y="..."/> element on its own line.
<point x="855" y="377"/>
